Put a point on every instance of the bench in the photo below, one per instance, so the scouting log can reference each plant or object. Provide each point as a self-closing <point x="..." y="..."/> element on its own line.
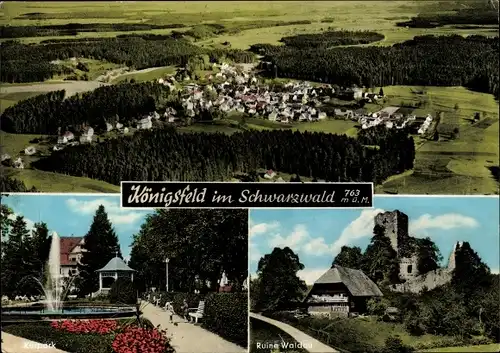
<point x="197" y="313"/>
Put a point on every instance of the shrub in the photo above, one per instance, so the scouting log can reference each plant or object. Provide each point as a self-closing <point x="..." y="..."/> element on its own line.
<point x="192" y="299"/>
<point x="226" y="314"/>
<point x="70" y="342"/>
<point x="123" y="291"/>
<point x="395" y="345"/>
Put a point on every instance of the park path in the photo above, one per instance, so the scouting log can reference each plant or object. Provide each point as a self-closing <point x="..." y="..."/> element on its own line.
<point x="15" y="344"/>
<point x="310" y="344"/>
<point x="187" y="337"/>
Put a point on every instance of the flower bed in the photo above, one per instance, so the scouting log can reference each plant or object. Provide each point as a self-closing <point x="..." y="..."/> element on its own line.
<point x="95" y="336"/>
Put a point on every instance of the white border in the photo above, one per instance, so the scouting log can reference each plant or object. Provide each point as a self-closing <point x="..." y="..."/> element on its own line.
<point x="245" y="208"/>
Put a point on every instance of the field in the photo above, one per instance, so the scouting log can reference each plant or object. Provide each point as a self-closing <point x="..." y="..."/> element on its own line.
<point x="467" y="164"/>
<point x="457" y="166"/>
<point x="352" y="15"/>
<point x="480" y="348"/>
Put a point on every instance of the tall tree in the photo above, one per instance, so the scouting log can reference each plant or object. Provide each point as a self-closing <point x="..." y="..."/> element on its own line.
<point x="470" y="272"/>
<point x="14" y="255"/>
<point x="380" y="261"/>
<point x="428" y="254"/>
<point x="279" y="283"/>
<point x="100" y="245"/>
<point x="350" y="257"/>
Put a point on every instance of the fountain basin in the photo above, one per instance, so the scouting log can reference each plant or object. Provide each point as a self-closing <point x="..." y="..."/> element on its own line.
<point x="68" y="311"/>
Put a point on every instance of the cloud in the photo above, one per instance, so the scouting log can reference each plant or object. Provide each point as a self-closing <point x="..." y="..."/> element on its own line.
<point x="117" y="215"/>
<point x="445" y="221"/>
<point x="262" y="228"/>
<point x="311" y="275"/>
<point x="359" y="228"/>
<point x="255" y="254"/>
<point x="316" y="246"/>
<point x="293" y="240"/>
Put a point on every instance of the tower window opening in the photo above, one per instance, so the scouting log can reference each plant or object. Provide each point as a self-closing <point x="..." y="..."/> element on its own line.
<point x="409" y="268"/>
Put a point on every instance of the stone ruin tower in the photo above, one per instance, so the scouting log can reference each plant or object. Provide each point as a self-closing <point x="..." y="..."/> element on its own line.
<point x="395" y="226"/>
<point x="451" y="261"/>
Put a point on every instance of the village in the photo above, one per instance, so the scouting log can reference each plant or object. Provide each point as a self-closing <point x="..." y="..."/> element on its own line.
<point x="236" y="90"/>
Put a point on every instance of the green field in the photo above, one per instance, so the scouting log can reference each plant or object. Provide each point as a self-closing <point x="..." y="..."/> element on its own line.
<point x="145" y="75"/>
<point x="481" y="348"/>
<point x="351" y="15"/>
<point x="459" y="166"/>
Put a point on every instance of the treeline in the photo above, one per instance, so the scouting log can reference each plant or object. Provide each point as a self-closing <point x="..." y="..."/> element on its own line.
<point x="8" y="184"/>
<point x="72" y="29"/>
<point x="461" y="17"/>
<point x="44" y="114"/>
<point x="164" y="154"/>
<point x="331" y="38"/>
<point x="32" y="62"/>
<point x="471" y="62"/>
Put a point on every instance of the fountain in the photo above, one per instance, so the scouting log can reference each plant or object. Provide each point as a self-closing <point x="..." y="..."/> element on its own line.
<point x="54" y="306"/>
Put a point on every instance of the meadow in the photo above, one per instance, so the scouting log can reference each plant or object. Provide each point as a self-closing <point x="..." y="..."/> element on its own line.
<point x="460" y="165"/>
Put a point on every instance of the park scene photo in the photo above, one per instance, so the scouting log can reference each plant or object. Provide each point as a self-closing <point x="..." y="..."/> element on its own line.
<point x="82" y="275"/>
<point x="403" y="94"/>
<point x="412" y="274"/>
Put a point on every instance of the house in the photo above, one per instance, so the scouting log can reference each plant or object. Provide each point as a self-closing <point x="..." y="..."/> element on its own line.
<point x="269" y="174"/>
<point x="341" y="291"/>
<point x="18" y="163"/>
<point x="64" y="138"/>
<point x="273" y="116"/>
<point x="30" y="150"/>
<point x="145" y="123"/>
<point x="58" y="147"/>
<point x="87" y="133"/>
<point x="71" y="252"/>
<point x="321" y="115"/>
<point x="109" y="127"/>
<point x="5" y="157"/>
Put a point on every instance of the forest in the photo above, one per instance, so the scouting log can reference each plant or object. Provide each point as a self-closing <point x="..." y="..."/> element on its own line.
<point x="46" y="113"/>
<point x="32" y="62"/>
<point x="426" y="60"/>
<point x="331" y="38"/>
<point x="72" y="29"/>
<point x="165" y="154"/>
<point x="475" y="16"/>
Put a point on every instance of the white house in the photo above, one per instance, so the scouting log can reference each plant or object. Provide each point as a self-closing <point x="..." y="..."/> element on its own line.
<point x="87" y="133"/>
<point x="30" y="150"/>
<point x="269" y="174"/>
<point x="145" y="123"/>
<point x="109" y="127"/>
<point x="18" y="163"/>
<point x="65" y="138"/>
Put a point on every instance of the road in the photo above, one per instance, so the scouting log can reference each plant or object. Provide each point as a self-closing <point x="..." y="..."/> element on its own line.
<point x="309" y="343"/>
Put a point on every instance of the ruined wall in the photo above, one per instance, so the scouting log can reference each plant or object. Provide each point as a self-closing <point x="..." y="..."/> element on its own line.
<point x="429" y="280"/>
<point x="396" y="227"/>
<point x="408" y="267"/>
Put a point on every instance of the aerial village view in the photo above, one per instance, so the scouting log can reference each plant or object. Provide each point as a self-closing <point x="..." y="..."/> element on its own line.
<point x="403" y="95"/>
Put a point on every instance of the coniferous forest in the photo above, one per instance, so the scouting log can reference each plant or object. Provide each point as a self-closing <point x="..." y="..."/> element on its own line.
<point x="470" y="62"/>
<point x="165" y="154"/>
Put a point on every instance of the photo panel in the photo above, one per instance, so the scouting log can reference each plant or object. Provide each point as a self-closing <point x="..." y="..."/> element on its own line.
<point x="200" y="91"/>
<point x="166" y="280"/>
<point x="410" y="274"/>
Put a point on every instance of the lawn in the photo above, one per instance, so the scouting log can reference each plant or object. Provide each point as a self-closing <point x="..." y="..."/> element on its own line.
<point x="479" y="348"/>
<point x="10" y="99"/>
<point x="151" y="74"/>
<point x="263" y="333"/>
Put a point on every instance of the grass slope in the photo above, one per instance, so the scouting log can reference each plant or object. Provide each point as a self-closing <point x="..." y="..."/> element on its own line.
<point x="481" y="348"/>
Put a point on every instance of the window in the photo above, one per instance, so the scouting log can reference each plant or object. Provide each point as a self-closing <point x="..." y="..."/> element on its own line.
<point x="409" y="268"/>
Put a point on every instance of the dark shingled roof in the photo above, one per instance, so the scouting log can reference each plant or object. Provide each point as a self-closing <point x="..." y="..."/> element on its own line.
<point x="358" y="284"/>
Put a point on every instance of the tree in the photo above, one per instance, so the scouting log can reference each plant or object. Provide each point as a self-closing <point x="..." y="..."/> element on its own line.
<point x="100" y="245"/>
<point x="381" y="92"/>
<point x="428" y="254"/>
<point x="380" y="261"/>
<point x="13" y="257"/>
<point x="279" y="284"/>
<point x="470" y="272"/>
<point x="350" y="257"/>
<point x="295" y="179"/>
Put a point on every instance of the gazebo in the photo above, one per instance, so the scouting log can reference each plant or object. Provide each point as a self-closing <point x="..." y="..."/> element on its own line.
<point x="115" y="268"/>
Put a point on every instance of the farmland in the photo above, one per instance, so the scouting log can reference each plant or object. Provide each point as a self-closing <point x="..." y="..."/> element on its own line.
<point x="466" y="164"/>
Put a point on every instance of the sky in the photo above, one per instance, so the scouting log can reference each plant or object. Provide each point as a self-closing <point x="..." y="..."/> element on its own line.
<point x="72" y="215"/>
<point x="317" y="235"/>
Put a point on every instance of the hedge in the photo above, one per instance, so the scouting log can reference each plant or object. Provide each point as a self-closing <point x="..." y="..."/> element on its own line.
<point x="123" y="292"/>
<point x="42" y="332"/>
<point x="226" y="314"/>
